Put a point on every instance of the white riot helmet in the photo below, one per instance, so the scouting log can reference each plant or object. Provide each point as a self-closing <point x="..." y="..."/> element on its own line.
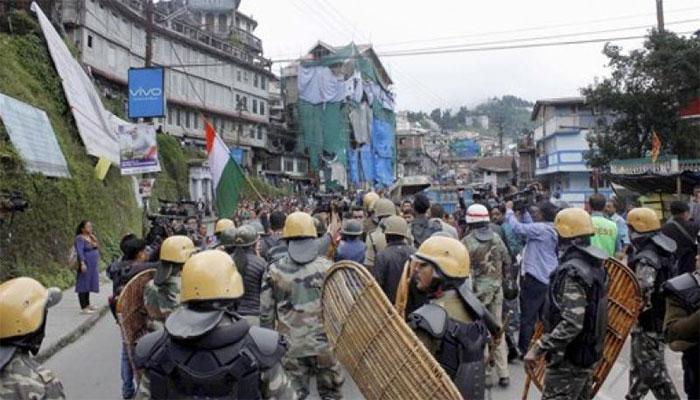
<point x="477" y="213"/>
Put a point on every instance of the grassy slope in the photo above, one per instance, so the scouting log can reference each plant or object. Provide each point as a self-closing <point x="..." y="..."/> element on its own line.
<point x="37" y="241"/>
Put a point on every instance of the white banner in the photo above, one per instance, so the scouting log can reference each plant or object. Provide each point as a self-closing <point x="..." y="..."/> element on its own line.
<point x="138" y="149"/>
<point x="90" y="116"/>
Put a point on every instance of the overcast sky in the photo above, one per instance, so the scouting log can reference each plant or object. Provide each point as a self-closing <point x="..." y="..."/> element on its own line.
<point x="289" y="28"/>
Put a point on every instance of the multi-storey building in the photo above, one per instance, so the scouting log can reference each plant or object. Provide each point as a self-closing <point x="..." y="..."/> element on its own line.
<point x="562" y="125"/>
<point x="213" y="61"/>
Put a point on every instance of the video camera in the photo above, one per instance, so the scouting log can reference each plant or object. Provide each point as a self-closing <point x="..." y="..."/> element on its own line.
<point x="12" y="202"/>
<point x="522" y="199"/>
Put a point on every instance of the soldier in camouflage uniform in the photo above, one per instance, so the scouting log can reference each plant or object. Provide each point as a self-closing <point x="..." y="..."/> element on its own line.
<point x="161" y="295"/>
<point x="652" y="262"/>
<point x="577" y="315"/>
<point x="206" y="349"/>
<point x="291" y="302"/>
<point x="489" y="258"/>
<point x="368" y="223"/>
<point x="23" y="306"/>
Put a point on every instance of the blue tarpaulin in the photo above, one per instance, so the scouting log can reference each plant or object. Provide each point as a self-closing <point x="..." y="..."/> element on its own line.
<point x="353" y="166"/>
<point x="237" y="155"/>
<point x="383" y="151"/>
<point x="367" y="163"/>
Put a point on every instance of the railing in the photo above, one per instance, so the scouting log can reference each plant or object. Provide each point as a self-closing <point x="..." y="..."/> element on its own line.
<point x="202" y="36"/>
<point x="248" y="39"/>
<point x="559" y="123"/>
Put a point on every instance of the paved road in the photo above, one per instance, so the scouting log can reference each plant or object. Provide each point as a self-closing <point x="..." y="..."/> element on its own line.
<point x="89" y="369"/>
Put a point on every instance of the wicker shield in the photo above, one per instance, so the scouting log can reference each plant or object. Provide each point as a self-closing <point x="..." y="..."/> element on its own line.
<point x="624" y="306"/>
<point x="374" y="344"/>
<point x="130" y="309"/>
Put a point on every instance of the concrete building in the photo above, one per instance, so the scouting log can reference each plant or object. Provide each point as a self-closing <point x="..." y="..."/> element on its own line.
<point x="497" y="171"/>
<point x="213" y="61"/>
<point x="560" y="145"/>
<point x="411" y="156"/>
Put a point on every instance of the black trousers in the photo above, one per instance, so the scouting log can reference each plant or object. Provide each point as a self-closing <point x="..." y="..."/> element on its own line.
<point x="532" y="300"/>
<point x="84" y="299"/>
<point x="691" y="372"/>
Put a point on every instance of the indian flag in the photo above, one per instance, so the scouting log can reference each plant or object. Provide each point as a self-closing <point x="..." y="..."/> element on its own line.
<point x="227" y="176"/>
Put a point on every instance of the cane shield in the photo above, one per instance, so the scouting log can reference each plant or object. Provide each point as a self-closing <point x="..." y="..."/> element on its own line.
<point x="374" y="344"/>
<point x="130" y="308"/>
<point x="624" y="306"/>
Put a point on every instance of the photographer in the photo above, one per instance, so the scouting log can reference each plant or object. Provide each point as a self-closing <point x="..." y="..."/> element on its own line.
<point x="539" y="260"/>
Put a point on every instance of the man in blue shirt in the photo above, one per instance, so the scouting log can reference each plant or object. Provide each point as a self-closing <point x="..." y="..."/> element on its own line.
<point x="623" y="237"/>
<point x="539" y="260"/>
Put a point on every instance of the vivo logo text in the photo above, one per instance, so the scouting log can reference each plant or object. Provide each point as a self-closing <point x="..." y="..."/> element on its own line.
<point x="141" y="92"/>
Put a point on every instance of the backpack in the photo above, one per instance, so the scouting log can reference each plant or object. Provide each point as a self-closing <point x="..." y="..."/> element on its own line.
<point x="73" y="258"/>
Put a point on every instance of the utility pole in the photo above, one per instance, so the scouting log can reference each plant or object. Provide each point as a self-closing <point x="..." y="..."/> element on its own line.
<point x="149" y="6"/>
<point x="500" y="136"/>
<point x="660" y="15"/>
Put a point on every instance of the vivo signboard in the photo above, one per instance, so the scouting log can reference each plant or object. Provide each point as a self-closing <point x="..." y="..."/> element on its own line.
<point x="146" y="92"/>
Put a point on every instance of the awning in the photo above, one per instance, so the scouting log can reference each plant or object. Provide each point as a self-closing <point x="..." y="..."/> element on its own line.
<point x="655" y="183"/>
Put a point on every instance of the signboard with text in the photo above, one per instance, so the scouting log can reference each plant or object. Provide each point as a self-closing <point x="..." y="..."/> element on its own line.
<point x="138" y="149"/>
<point x="146" y="92"/>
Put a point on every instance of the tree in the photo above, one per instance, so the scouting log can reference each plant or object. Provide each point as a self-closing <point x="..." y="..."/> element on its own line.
<point x="645" y="91"/>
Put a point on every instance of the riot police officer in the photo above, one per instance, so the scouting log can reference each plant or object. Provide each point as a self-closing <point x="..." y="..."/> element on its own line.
<point x="682" y="325"/>
<point x="206" y="350"/>
<point x="369" y="224"/>
<point x="577" y="316"/>
<point x="252" y="268"/>
<point x="291" y="301"/>
<point x="23" y="307"/>
<point x="376" y="241"/>
<point x="222" y="225"/>
<point x="161" y="295"/>
<point x="450" y="325"/>
<point x="653" y="263"/>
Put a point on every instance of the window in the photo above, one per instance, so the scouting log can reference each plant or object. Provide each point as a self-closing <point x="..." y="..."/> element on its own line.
<point x="262" y="82"/>
<point x="223" y="22"/>
<point x="245" y="77"/>
<point x="177" y="115"/>
<point x="187" y="119"/>
<point x="255" y="106"/>
<point x="89" y="41"/>
<point x="196" y="120"/>
<point x="170" y="116"/>
<point x="262" y="107"/>
<point x="238" y="75"/>
<point x="260" y="133"/>
<point x="255" y="79"/>
<point x="289" y="165"/>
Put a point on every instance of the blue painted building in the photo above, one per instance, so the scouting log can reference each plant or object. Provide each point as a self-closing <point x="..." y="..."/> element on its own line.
<point x="562" y="125"/>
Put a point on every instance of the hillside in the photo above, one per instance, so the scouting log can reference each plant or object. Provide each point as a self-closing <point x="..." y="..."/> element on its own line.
<point x="36" y="242"/>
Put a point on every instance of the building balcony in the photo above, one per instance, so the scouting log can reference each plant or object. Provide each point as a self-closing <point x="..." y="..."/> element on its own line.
<point x="561" y="161"/>
<point x="247" y="39"/>
<point x="570" y="123"/>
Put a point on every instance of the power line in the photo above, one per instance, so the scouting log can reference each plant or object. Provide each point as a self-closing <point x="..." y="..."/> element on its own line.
<point x="556" y="36"/>
<point x="529" y="29"/>
<point x="522" y="46"/>
<point x="466" y="48"/>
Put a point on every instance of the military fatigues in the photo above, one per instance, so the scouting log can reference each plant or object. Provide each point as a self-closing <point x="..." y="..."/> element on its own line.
<point x="576" y="323"/>
<point x="376" y="242"/>
<point x="489" y="256"/>
<point x="291" y="302"/>
<point x="682" y="326"/>
<point x="231" y="360"/>
<point x="23" y="378"/>
<point x="161" y="300"/>
<point x="648" y="367"/>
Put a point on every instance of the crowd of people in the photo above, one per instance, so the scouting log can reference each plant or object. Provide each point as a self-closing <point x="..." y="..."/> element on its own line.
<point x="239" y="314"/>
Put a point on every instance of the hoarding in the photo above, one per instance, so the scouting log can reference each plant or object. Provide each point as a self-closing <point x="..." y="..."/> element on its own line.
<point x="146" y="92"/>
<point x="138" y="149"/>
<point x="32" y="135"/>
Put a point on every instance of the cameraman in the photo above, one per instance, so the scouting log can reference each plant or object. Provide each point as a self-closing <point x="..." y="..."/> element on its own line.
<point x="539" y="260"/>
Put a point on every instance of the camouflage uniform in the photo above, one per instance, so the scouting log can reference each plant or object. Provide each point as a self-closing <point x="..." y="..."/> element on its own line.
<point x="562" y="379"/>
<point x="488" y="259"/>
<point x="291" y="300"/>
<point x="161" y="300"/>
<point x="24" y="378"/>
<point x="274" y="384"/>
<point x="648" y="368"/>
